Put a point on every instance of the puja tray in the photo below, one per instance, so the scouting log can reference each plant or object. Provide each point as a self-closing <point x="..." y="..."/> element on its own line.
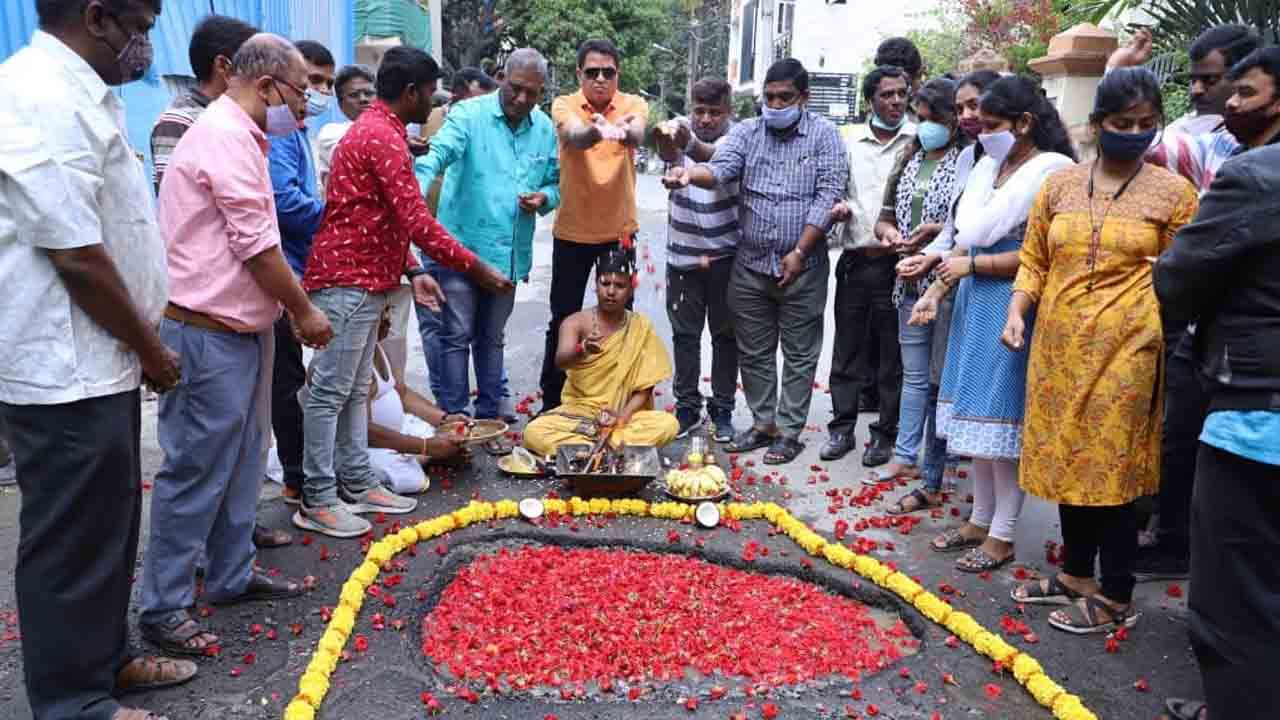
<point x="597" y="484"/>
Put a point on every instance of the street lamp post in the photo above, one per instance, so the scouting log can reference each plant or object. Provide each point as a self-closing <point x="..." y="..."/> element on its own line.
<point x="662" y="77"/>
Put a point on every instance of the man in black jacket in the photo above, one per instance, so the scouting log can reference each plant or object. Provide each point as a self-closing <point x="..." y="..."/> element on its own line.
<point x="1223" y="271"/>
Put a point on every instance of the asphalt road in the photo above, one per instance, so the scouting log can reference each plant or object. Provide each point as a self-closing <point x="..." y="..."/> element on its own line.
<point x="386" y="681"/>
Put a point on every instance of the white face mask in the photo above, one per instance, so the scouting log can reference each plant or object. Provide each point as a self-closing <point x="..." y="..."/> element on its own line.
<point x="998" y="144"/>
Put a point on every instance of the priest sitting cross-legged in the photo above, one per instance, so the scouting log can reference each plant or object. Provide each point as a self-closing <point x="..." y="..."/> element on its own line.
<point x="613" y="360"/>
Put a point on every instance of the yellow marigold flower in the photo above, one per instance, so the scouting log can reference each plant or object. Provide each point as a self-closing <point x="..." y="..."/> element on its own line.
<point x="1043" y="689"/>
<point x="506" y="509"/>
<point x="556" y="506"/>
<point x="366" y="573"/>
<point x="599" y="506"/>
<point x="904" y="586"/>
<point x="379" y="553"/>
<point x="299" y="710"/>
<point x="324" y="663"/>
<point x="312" y="688"/>
<point x="772" y="511"/>
<point x="409" y="536"/>
<point x="931" y="606"/>
<point x="1069" y="707"/>
<point x="395" y="544"/>
<point x="998" y="650"/>
<point x="963" y="626"/>
<point x="332" y="642"/>
<point x="1024" y="666"/>
<point x="342" y="621"/>
<point x="984" y="642"/>
<point x="352" y="596"/>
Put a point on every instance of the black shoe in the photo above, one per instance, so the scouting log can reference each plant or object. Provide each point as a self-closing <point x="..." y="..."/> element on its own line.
<point x="837" y="446"/>
<point x="690" y="420"/>
<point x="1160" y="562"/>
<point x="722" y="426"/>
<point x="880" y="452"/>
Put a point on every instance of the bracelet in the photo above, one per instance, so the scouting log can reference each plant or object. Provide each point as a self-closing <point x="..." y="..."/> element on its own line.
<point x="973" y="264"/>
<point x="414" y="272"/>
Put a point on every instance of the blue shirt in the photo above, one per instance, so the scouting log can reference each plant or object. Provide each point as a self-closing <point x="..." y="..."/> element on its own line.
<point x="785" y="184"/>
<point x="488" y="167"/>
<point x="1252" y="434"/>
<point x="298" y="206"/>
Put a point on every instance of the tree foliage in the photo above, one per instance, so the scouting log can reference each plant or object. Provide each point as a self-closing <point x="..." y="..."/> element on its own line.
<point x="941" y="40"/>
<point x="1178" y="22"/>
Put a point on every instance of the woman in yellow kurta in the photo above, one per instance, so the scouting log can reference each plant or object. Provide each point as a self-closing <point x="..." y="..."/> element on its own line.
<point x="612" y="359"/>
<point x="1091" y="439"/>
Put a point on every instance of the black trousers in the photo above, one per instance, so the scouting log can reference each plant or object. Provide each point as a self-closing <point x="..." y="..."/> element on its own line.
<point x="1185" y="406"/>
<point x="571" y="266"/>
<point x="287" y="377"/>
<point x="1108" y="534"/>
<point x="864" y="300"/>
<point x="79" y="469"/>
<point x="1235" y="584"/>
<point x="698" y="297"/>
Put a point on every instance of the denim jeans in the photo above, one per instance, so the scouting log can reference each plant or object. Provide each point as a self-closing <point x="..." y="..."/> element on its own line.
<point x="916" y="343"/>
<point x="935" y="448"/>
<point x="472" y="328"/>
<point x="429" y="328"/>
<point x="335" y="425"/>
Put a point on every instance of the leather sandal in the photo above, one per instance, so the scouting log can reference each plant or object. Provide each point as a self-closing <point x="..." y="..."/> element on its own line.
<point x="1036" y="592"/>
<point x="262" y="587"/>
<point x="922" y="503"/>
<point x="749" y="440"/>
<point x="782" y="451"/>
<point x="174" y="636"/>
<point x="977" y="560"/>
<point x="954" y="541"/>
<point x="1086" y="620"/>
<point x="149" y="672"/>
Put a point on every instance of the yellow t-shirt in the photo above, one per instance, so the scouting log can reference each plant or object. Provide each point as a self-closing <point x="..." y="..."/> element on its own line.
<point x="598" y="185"/>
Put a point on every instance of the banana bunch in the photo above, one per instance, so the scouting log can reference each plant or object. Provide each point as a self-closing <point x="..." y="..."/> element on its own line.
<point x="705" y="481"/>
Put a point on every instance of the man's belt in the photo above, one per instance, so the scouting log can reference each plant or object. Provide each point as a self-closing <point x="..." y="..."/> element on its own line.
<point x="180" y="314"/>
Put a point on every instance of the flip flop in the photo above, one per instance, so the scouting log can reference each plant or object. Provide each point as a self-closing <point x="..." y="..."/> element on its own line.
<point x="922" y="503"/>
<point x="953" y="541"/>
<point x="262" y="588"/>
<point x="1036" y="594"/>
<point x="1085" y="621"/>
<point x="977" y="560"/>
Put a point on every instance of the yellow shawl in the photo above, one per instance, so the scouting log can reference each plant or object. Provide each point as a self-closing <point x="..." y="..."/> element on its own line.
<point x="632" y="359"/>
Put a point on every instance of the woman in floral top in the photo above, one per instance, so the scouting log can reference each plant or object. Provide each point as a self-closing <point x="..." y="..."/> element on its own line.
<point x="916" y="203"/>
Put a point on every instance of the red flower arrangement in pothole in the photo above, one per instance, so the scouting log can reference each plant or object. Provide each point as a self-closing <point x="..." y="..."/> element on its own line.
<point x="556" y="616"/>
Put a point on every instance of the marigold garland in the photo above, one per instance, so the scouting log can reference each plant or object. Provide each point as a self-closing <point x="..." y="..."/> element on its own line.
<point x="314" y="683"/>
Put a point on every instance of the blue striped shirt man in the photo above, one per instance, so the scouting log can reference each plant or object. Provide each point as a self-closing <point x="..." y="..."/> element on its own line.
<point x="785" y="183"/>
<point x="702" y="223"/>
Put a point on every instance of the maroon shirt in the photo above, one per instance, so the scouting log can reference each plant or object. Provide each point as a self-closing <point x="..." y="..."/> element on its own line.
<point x="373" y="210"/>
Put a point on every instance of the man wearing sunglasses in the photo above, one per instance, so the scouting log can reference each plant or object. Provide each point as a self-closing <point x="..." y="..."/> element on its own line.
<point x="228" y="279"/>
<point x="600" y="129"/>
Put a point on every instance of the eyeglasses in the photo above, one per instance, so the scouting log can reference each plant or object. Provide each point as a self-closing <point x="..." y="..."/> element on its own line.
<point x="301" y="92"/>
<point x="596" y="73"/>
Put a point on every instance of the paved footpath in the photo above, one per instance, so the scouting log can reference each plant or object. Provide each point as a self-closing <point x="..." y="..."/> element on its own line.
<point x="255" y="673"/>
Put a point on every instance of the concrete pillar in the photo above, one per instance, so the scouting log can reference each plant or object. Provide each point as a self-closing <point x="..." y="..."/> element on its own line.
<point x="1071" y="71"/>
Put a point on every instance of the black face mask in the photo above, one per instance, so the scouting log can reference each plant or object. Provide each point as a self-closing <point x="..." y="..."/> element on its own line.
<point x="1125" y="146"/>
<point x="1248" y="125"/>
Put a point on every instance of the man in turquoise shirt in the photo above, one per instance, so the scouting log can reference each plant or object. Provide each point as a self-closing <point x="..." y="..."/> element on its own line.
<point x="502" y="163"/>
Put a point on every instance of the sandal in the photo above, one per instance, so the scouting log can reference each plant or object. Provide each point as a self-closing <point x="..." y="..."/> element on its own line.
<point x="977" y="560"/>
<point x="875" y="477"/>
<point x="749" y="440"/>
<point x="264" y="537"/>
<point x="1040" y="592"/>
<point x="782" y="451"/>
<point x="174" y="636"/>
<point x="152" y="673"/>
<point x="1084" y="621"/>
<point x="262" y="587"/>
<point x="954" y="541"/>
<point x="922" y="503"/>
<point x="1180" y="709"/>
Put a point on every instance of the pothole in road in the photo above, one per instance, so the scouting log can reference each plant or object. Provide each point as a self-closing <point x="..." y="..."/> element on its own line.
<point x="590" y="622"/>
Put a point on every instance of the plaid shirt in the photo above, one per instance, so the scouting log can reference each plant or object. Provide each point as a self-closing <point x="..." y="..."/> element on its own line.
<point x="373" y="210"/>
<point x="786" y="183"/>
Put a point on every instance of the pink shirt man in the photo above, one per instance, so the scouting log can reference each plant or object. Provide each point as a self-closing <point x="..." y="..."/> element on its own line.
<point x="217" y="211"/>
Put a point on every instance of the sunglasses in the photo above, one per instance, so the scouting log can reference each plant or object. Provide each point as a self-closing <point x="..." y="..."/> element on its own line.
<point x="607" y="73"/>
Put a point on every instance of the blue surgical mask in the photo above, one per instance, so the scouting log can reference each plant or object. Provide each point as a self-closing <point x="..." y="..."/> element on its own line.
<point x="317" y="102"/>
<point x="280" y="120"/>
<point x="877" y="121"/>
<point x="1125" y="146"/>
<point x="933" y="135"/>
<point x="780" y="119"/>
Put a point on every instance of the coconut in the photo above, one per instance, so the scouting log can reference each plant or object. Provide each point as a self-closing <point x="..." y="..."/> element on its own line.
<point x="707" y="514"/>
<point x="531" y="509"/>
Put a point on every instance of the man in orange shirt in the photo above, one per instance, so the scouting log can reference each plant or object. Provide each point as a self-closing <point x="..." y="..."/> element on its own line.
<point x="599" y="129"/>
